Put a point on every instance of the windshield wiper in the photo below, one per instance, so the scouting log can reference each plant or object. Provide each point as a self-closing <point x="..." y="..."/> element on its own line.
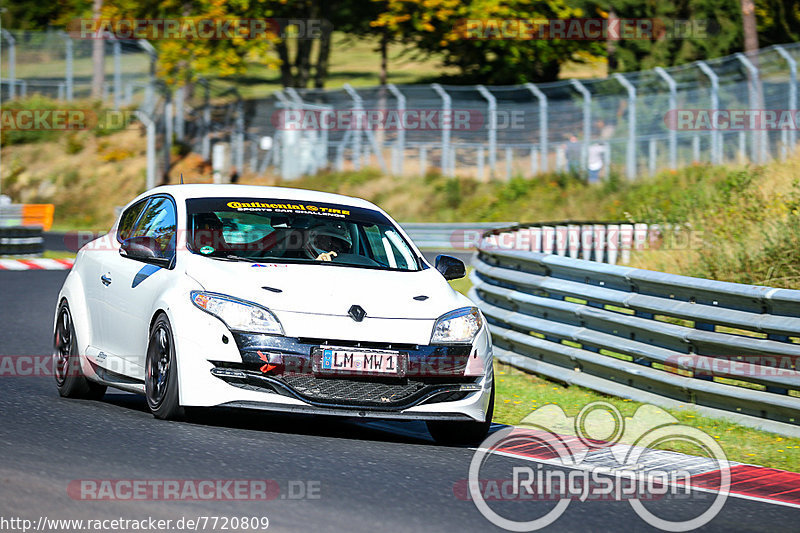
<point x="240" y="258"/>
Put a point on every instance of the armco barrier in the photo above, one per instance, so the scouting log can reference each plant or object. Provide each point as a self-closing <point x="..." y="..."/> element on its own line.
<point x="605" y="242"/>
<point x="725" y="347"/>
<point x="608" y="242"/>
<point x="446" y="236"/>
<point x="21" y="241"/>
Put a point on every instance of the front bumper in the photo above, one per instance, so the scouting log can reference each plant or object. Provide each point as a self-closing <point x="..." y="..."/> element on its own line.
<point x="232" y="375"/>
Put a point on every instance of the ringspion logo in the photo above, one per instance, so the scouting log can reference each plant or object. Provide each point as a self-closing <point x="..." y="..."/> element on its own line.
<point x="597" y="455"/>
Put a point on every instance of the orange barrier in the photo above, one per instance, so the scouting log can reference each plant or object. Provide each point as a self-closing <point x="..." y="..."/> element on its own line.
<point x="38" y="215"/>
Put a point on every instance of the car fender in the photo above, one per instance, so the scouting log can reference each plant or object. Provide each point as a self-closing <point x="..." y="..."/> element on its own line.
<point x="73" y="292"/>
<point x="196" y="335"/>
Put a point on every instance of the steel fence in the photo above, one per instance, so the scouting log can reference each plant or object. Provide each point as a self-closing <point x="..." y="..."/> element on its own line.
<point x="524" y="130"/>
<point x="645" y="335"/>
<point x="57" y="65"/>
<point x="626" y="122"/>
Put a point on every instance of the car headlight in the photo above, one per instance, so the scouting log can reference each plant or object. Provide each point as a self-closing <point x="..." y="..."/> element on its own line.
<point x="459" y="326"/>
<point x="238" y="315"/>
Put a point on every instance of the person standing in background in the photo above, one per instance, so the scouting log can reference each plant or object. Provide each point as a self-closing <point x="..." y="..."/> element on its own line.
<point x="573" y="155"/>
<point x="595" y="160"/>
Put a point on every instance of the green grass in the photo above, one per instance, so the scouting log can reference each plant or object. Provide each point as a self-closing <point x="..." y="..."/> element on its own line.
<point x="48" y="254"/>
<point x="37" y="66"/>
<point x="519" y="393"/>
<point x="462" y="285"/>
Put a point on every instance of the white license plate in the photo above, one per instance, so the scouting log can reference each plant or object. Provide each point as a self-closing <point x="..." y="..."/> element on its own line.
<point x="338" y="360"/>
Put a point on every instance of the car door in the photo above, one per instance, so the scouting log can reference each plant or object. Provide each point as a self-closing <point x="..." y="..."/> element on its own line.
<point x="132" y="286"/>
<point x="96" y="281"/>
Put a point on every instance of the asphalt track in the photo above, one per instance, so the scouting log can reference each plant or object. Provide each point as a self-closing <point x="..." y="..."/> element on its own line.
<point x="371" y="476"/>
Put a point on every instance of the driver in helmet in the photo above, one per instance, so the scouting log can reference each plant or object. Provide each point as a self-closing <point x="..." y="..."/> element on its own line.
<point x="327" y="240"/>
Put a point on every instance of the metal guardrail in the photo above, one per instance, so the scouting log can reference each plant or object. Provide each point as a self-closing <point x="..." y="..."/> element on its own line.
<point x="605" y="242"/>
<point x="22" y="241"/>
<point x="448" y="236"/>
<point x="646" y="335"/>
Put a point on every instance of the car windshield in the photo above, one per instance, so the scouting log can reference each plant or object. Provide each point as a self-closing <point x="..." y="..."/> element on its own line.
<point x="280" y="230"/>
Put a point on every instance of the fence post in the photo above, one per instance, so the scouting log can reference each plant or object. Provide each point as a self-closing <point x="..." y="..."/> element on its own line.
<point x="151" y="147"/>
<point x="716" y="144"/>
<point x="179" y="121"/>
<point x="238" y="147"/>
<point x="355" y="156"/>
<point x="68" y="76"/>
<point x="148" y="92"/>
<point x="587" y="119"/>
<point x="447" y="123"/>
<point x="481" y="165"/>
<point x="758" y="147"/>
<point x="400" y="140"/>
<point x="167" y="132"/>
<point x="630" y="152"/>
<point x="358" y="104"/>
<point x="542" y="123"/>
<point x="673" y="103"/>
<point x="492" y="133"/>
<point x="12" y="64"/>
<point x="742" y="148"/>
<point x="206" y="142"/>
<point x="792" y="133"/>
<point x="117" y="74"/>
<point x="651" y="156"/>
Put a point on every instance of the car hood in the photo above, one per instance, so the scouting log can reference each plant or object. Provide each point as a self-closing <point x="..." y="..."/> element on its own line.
<point x="329" y="290"/>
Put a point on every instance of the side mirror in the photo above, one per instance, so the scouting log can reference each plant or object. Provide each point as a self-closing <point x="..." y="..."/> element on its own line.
<point x="144" y="249"/>
<point x="450" y="267"/>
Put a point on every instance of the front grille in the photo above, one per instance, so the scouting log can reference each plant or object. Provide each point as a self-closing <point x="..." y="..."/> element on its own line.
<point x="355" y="391"/>
<point x="375" y="393"/>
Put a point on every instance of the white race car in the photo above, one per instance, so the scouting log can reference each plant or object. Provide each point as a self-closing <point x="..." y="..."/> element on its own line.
<point x="278" y="299"/>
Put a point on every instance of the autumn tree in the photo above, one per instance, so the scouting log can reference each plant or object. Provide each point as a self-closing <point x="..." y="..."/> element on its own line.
<point x="185" y="58"/>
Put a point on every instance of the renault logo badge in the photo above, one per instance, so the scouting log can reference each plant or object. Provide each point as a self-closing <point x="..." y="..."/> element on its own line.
<point x="357" y="313"/>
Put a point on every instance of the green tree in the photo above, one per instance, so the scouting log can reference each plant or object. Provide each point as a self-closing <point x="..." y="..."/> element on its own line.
<point x="446" y="27"/>
<point x="706" y="29"/>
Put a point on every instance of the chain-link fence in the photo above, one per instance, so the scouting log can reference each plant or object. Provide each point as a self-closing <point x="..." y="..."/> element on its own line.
<point x="636" y="123"/>
<point x="56" y="65"/>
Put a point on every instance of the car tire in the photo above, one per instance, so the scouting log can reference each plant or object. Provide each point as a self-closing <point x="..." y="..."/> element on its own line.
<point x="161" y="372"/>
<point x="67" y="370"/>
<point x="450" y="432"/>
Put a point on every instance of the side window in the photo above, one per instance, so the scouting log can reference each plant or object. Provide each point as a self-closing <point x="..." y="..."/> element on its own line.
<point x="128" y="219"/>
<point x="158" y="221"/>
<point x="378" y="251"/>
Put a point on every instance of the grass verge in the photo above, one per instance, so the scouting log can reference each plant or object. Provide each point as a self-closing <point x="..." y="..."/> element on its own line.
<point x="519" y="393"/>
